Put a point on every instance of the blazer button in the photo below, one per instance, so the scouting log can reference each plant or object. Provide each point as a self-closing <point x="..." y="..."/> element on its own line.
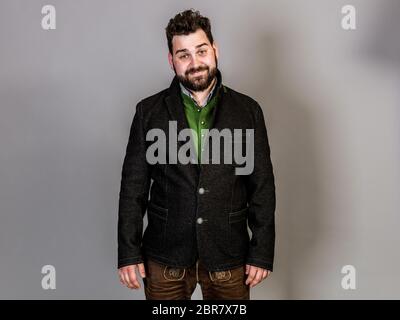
<point x="201" y="190"/>
<point x="199" y="220"/>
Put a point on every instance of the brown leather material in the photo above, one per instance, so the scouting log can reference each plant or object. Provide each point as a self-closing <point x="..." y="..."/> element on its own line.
<point x="164" y="282"/>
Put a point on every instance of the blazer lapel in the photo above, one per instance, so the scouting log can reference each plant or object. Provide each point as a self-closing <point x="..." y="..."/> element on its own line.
<point x="177" y="113"/>
<point x="175" y="106"/>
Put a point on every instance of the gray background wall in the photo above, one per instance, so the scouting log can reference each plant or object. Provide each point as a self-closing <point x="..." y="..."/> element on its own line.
<point x="331" y="101"/>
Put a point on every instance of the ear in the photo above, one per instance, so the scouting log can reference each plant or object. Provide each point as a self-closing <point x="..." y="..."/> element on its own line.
<point x="171" y="64"/>
<point x="216" y="50"/>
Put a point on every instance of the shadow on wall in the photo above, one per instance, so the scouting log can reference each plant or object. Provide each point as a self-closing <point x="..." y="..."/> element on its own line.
<point x="298" y="165"/>
<point x="384" y="46"/>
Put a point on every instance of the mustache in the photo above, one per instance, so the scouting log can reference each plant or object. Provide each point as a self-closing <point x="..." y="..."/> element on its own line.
<point x="201" y="68"/>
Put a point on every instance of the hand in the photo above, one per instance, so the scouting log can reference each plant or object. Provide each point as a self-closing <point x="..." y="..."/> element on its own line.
<point x="127" y="275"/>
<point x="255" y="275"/>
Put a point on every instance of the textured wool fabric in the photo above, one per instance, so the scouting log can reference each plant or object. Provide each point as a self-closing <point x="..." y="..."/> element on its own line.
<point x="196" y="211"/>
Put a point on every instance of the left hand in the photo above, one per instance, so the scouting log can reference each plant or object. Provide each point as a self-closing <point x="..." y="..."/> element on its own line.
<point x="255" y="275"/>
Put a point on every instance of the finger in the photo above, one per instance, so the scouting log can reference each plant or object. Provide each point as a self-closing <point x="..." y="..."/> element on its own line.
<point x="265" y="274"/>
<point x="132" y="278"/>
<point x="142" y="270"/>
<point x="125" y="278"/>
<point x="257" y="277"/>
<point x="252" y="273"/>
<point x="247" y="268"/>
<point x="120" y="277"/>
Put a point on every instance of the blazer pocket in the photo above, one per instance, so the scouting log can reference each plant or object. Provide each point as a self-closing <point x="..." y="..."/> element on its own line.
<point x="161" y="212"/>
<point x="238" y="234"/>
<point x="155" y="233"/>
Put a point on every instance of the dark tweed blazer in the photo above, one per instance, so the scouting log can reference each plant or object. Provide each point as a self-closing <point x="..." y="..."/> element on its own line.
<point x="196" y="211"/>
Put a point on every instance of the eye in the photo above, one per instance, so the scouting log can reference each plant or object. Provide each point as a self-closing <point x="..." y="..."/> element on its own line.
<point x="202" y="52"/>
<point x="185" y="56"/>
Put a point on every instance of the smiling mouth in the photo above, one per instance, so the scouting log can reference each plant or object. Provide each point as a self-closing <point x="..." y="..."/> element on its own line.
<point x="197" y="72"/>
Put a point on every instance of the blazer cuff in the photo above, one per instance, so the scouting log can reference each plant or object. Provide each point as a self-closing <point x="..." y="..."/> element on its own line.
<point x="260" y="263"/>
<point x="129" y="261"/>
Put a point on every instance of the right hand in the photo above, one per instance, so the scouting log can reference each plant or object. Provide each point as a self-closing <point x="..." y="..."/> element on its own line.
<point x="127" y="275"/>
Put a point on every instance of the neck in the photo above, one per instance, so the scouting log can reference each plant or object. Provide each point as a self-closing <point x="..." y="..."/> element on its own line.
<point x="200" y="96"/>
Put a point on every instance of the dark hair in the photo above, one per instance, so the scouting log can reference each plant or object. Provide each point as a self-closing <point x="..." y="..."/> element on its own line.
<point x="187" y="22"/>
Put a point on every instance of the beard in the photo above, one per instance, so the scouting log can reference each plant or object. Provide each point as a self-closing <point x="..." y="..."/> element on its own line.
<point x="198" y="82"/>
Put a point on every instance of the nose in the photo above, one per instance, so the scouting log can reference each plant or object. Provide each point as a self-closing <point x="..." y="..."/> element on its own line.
<point x="195" y="63"/>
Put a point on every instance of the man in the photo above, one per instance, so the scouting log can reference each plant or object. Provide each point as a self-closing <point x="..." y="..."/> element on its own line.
<point x="197" y="212"/>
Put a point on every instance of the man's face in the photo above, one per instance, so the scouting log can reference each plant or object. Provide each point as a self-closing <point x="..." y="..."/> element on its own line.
<point x="194" y="60"/>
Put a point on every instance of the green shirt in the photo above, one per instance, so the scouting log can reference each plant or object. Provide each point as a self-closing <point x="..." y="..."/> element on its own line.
<point x="199" y="118"/>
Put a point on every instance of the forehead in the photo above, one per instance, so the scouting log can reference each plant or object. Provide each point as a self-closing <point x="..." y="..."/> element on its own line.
<point x="189" y="41"/>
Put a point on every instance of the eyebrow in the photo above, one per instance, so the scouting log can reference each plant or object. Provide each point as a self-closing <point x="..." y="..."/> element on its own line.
<point x="185" y="50"/>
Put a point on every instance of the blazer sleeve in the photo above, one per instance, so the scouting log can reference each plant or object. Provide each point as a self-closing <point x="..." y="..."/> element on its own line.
<point x="261" y="199"/>
<point x="133" y="196"/>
